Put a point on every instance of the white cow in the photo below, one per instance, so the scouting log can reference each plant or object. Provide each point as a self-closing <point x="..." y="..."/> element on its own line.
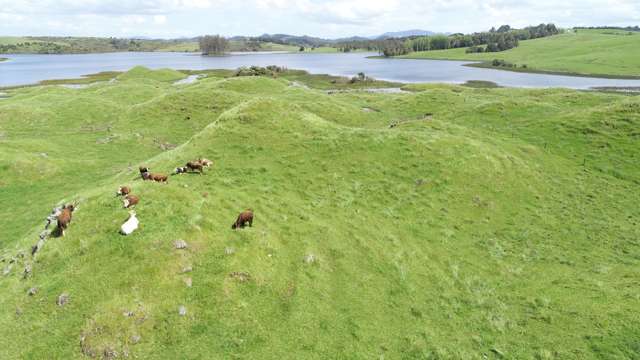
<point x="130" y="225"/>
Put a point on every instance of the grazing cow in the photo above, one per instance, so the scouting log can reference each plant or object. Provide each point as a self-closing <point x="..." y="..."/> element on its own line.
<point x="195" y="166"/>
<point x="180" y="170"/>
<point x="130" y="225"/>
<point x="130" y="201"/>
<point x="146" y="175"/>
<point x="144" y="172"/>
<point x="123" y="191"/>
<point x="244" y="218"/>
<point x="64" y="219"/>
<point x="157" y="178"/>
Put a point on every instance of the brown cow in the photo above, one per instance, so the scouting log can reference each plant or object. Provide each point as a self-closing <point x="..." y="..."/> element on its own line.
<point x="244" y="218"/>
<point x="157" y="178"/>
<point x="64" y="219"/>
<point x="195" y="166"/>
<point x="146" y="175"/>
<point x="130" y="200"/>
<point x="123" y="191"/>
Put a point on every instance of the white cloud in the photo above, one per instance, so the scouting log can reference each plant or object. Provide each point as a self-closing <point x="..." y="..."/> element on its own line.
<point x="104" y="7"/>
<point x="334" y="11"/>
<point x="327" y="18"/>
<point x="159" y="19"/>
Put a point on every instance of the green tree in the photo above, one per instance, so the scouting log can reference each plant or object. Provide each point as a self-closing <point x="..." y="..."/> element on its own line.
<point x="213" y="45"/>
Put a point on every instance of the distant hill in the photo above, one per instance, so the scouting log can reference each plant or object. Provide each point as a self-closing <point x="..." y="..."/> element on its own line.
<point x="305" y="40"/>
<point x="352" y="38"/>
<point x="401" y="34"/>
<point x="294" y="39"/>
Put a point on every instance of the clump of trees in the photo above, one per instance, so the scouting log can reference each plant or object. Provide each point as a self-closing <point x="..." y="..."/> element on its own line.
<point x="271" y="70"/>
<point x="504" y="63"/>
<point x="475" y="49"/>
<point x="213" y="45"/>
<point x="393" y="47"/>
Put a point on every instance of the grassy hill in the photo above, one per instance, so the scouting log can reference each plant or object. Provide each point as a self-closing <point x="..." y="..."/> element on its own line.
<point x="486" y="223"/>
<point x="80" y="45"/>
<point x="72" y="45"/>
<point x="585" y="52"/>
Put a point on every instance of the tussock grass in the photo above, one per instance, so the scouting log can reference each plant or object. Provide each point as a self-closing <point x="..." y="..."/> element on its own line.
<point x="504" y="226"/>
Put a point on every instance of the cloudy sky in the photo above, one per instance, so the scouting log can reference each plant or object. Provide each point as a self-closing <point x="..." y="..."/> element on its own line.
<point x="326" y="18"/>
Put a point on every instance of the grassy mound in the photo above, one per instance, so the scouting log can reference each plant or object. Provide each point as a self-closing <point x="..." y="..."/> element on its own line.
<point x="585" y="52"/>
<point x="143" y="73"/>
<point x="486" y="223"/>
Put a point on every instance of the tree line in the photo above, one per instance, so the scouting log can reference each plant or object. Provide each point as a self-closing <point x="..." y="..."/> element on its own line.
<point x="494" y="40"/>
<point x="626" y="28"/>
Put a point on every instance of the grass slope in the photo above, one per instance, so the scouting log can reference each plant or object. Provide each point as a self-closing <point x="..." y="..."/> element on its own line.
<point x="585" y="52"/>
<point x="62" y="45"/>
<point x="490" y="223"/>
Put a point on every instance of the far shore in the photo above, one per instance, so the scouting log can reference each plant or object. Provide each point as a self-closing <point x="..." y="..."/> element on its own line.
<point x="489" y="65"/>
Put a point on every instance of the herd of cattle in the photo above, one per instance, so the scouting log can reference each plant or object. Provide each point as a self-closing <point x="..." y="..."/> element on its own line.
<point x="130" y="200"/>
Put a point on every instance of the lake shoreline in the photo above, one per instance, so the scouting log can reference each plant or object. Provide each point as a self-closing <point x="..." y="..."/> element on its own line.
<point x="489" y="65"/>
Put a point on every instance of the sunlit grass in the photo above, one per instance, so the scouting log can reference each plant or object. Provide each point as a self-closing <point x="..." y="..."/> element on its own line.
<point x="487" y="223"/>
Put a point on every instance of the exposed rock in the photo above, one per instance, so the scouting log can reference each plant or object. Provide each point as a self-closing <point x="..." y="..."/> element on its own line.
<point x="310" y="259"/>
<point x="85" y="348"/>
<point x="187" y="269"/>
<point x="27" y="271"/>
<point x="7" y="270"/>
<point x="32" y="291"/>
<point x="182" y="311"/>
<point x="188" y="281"/>
<point x="180" y="244"/>
<point x="110" y="353"/>
<point x="52" y="217"/>
<point x="240" y="276"/>
<point x="63" y="299"/>
<point x="135" y="339"/>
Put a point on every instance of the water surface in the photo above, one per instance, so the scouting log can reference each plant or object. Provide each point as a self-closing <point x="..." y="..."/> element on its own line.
<point x="29" y="69"/>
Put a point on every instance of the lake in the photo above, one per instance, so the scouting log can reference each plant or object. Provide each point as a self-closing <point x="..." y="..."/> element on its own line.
<point x="29" y="69"/>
